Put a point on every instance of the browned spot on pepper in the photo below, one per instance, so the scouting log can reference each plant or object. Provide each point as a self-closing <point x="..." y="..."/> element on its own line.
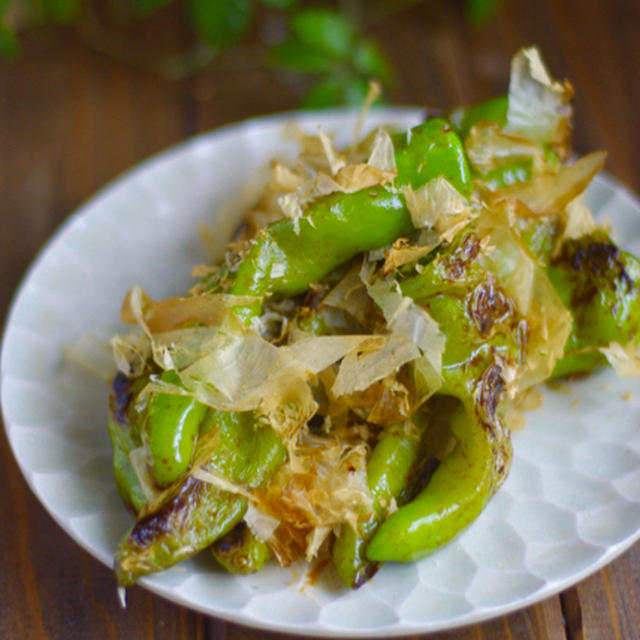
<point x="171" y="515"/>
<point x="120" y="397"/>
<point x="601" y="262"/>
<point x="488" y="305"/>
<point x="488" y="393"/>
<point x="419" y="476"/>
<point x="522" y="334"/>
<point x="456" y="265"/>
<point x="365" y="574"/>
<point x="233" y="540"/>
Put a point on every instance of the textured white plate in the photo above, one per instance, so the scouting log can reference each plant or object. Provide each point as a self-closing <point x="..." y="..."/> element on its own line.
<point x="570" y="504"/>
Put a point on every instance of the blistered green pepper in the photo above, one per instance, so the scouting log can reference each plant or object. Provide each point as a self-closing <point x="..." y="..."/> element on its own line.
<point x="600" y="285"/>
<point x="195" y="512"/>
<point x="166" y="426"/>
<point x="192" y="516"/>
<point x="454" y="496"/>
<point x="289" y="256"/>
<point x="125" y="437"/>
<point x="483" y="333"/>
<point x="241" y="551"/>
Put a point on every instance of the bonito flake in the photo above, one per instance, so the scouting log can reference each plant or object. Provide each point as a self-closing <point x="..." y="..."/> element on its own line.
<point x="624" y="359"/>
<point x="379" y="170"/>
<point x="323" y="484"/>
<point x="438" y="205"/>
<point x="539" y="108"/>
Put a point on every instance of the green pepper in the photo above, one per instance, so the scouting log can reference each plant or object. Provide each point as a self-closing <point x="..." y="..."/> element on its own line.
<point x="287" y="257"/>
<point x="433" y="149"/>
<point x="494" y="110"/>
<point x="597" y="282"/>
<point x="455" y="495"/>
<point x="241" y="551"/>
<point x="600" y="285"/>
<point x="192" y="516"/>
<point x="170" y="432"/>
<point x="125" y="437"/>
<point x="393" y="463"/>
<point x="483" y="330"/>
<point x="194" y="513"/>
<point x="247" y="452"/>
<point x="167" y="426"/>
<point x="519" y="171"/>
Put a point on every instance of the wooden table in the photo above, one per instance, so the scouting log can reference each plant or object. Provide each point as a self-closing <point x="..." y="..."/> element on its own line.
<point x="72" y="118"/>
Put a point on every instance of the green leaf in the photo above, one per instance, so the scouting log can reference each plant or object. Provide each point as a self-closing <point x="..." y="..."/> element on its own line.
<point x="61" y="11"/>
<point x="479" y="11"/>
<point x="221" y="22"/>
<point x="280" y="4"/>
<point x="369" y="61"/>
<point x="355" y="91"/>
<point x="327" y="93"/>
<point x="335" y="92"/>
<point x="9" y="45"/>
<point x="325" y="30"/>
<point x="293" y="54"/>
<point x="147" y="7"/>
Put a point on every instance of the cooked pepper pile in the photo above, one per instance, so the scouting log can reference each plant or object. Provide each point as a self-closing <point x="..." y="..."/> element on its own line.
<point x="344" y="382"/>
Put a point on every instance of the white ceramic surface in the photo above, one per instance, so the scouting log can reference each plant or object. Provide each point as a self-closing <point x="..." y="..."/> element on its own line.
<point x="570" y="504"/>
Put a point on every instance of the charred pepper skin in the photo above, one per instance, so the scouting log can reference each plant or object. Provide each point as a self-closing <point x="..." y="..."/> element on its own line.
<point x="287" y="257"/>
<point x="193" y="516"/>
<point x="125" y="437"/>
<point x="600" y="285"/>
<point x="482" y="332"/>
<point x="241" y="551"/>
<point x="195" y="513"/>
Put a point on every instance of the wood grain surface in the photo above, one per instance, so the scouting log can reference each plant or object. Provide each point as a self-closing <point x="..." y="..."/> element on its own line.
<point x="72" y="118"/>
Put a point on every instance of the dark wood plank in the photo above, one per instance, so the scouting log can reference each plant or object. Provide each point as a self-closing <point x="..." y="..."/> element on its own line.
<point x="609" y="600"/>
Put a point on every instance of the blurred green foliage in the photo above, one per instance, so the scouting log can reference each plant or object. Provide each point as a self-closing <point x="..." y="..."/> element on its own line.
<point x="325" y="46"/>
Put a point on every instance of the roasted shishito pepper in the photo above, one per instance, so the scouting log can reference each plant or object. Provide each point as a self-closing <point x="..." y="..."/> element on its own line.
<point x="485" y="335"/>
<point x="340" y="226"/>
<point x="600" y="284"/>
<point x="193" y="513"/>
<point x="188" y="459"/>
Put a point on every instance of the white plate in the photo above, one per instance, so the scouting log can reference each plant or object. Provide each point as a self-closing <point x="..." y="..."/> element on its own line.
<point x="570" y="505"/>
